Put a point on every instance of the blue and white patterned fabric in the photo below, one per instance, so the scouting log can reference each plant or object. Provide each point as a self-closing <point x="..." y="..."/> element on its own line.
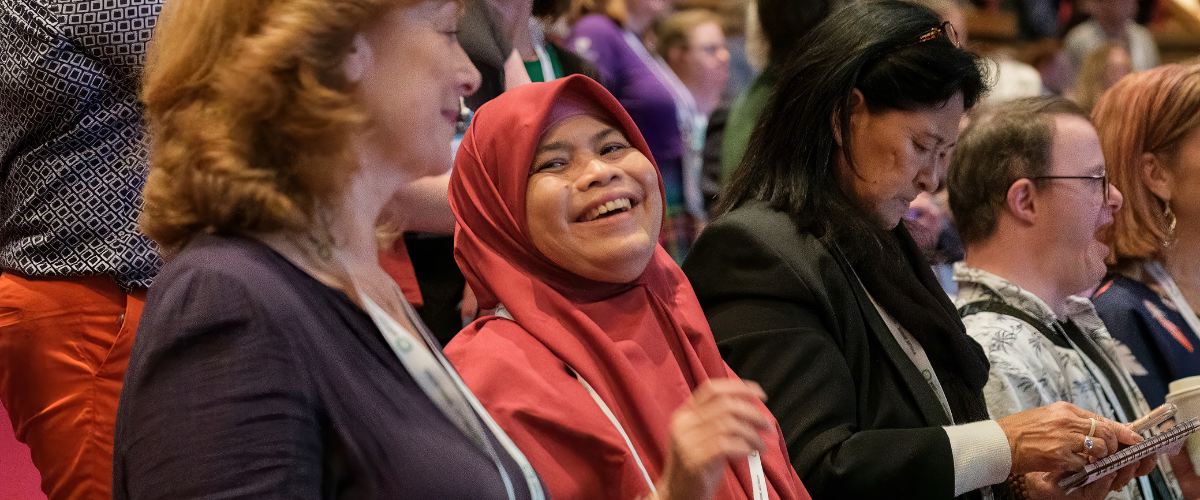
<point x="1029" y="370"/>
<point x="73" y="156"/>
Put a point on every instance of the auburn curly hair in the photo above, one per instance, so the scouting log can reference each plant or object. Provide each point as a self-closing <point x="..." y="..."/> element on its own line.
<point x="248" y="113"/>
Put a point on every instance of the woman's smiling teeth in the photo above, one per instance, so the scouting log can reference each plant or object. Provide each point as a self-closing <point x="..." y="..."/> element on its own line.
<point x="612" y="207"/>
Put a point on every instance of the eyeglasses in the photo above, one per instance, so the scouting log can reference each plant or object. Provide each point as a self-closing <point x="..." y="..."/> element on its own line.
<point x="1103" y="178"/>
<point x="945" y="29"/>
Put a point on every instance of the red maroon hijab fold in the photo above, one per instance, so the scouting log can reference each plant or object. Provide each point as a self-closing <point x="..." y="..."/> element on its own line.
<point x="643" y="345"/>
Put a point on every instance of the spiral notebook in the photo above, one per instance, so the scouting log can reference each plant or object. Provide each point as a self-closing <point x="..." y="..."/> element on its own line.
<point x="1112" y="463"/>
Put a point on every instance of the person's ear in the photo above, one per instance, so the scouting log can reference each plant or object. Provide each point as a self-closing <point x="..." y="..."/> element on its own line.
<point x="1019" y="201"/>
<point x="359" y="60"/>
<point x="1156" y="177"/>
<point x="858" y="115"/>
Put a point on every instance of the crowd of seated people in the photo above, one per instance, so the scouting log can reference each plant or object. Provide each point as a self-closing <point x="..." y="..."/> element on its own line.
<point x="465" y="249"/>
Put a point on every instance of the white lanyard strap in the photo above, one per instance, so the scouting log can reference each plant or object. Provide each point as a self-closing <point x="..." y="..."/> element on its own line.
<point x="441" y="383"/>
<point x="548" y="73"/>
<point x="537" y="34"/>
<point x="758" y="478"/>
<point x="1164" y="280"/>
<point x="613" y="418"/>
<point x="531" y="477"/>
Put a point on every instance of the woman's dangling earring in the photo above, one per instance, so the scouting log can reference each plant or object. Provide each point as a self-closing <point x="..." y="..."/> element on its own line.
<point x="1171" y="221"/>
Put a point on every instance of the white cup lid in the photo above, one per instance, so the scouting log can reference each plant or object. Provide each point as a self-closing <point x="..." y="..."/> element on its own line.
<point x="1184" y="384"/>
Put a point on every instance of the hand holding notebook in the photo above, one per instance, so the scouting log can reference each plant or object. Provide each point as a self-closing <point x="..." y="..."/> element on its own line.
<point x="1166" y="442"/>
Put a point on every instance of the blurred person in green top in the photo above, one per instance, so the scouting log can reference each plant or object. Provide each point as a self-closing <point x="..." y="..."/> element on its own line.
<point x="783" y="23"/>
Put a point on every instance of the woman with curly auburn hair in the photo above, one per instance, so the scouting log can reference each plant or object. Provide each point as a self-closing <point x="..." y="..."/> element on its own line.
<point x="276" y="359"/>
<point x="1149" y="126"/>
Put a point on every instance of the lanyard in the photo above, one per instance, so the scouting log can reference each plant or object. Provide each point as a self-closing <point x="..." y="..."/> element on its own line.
<point x="915" y="353"/>
<point x="437" y="378"/>
<point x="758" y="478"/>
<point x="548" y="73"/>
<point x="537" y="34"/>
<point x="1164" y="280"/>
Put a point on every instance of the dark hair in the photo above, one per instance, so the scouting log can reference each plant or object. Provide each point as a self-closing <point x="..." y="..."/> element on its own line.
<point x="874" y="47"/>
<point x="1010" y="142"/>
<point x="784" y="22"/>
<point x="550" y="8"/>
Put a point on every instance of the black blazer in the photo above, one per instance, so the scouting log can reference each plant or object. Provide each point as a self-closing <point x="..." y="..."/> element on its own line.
<point x="787" y="312"/>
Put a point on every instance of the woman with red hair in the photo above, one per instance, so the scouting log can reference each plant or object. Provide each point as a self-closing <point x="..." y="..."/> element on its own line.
<point x="1149" y="126"/>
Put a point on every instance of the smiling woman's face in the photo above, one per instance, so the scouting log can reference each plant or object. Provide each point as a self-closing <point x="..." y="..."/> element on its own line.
<point x="898" y="154"/>
<point x="593" y="204"/>
<point x="410" y="72"/>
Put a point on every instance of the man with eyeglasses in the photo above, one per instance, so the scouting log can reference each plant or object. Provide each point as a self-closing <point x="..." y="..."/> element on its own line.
<point x="1032" y="203"/>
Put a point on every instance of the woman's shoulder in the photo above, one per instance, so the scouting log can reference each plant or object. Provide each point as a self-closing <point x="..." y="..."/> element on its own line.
<point x="596" y="25"/>
<point x="217" y="279"/>
<point x="493" y="346"/>
<point x="598" y="39"/>
<point x="757" y="232"/>
<point x="756" y="251"/>
<point x="1121" y="294"/>
<point x="765" y="222"/>
<point x="243" y="262"/>
<point x="510" y="371"/>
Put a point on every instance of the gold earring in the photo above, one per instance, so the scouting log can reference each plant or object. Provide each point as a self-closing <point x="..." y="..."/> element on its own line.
<point x="1171" y="221"/>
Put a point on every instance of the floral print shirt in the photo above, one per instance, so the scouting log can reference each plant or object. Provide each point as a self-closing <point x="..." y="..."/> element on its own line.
<point x="1029" y="370"/>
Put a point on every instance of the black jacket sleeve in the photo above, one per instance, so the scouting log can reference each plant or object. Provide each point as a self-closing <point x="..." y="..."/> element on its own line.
<point x="786" y="316"/>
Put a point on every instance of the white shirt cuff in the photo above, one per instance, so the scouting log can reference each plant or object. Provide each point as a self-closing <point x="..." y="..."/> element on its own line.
<point x="981" y="455"/>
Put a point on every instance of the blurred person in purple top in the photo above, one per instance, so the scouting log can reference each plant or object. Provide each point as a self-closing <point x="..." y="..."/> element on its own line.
<point x="609" y="33"/>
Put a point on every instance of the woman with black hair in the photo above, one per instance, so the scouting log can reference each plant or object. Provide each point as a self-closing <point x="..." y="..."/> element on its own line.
<point x="815" y="290"/>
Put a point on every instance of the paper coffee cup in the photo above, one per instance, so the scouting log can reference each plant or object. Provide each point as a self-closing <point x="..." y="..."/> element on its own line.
<point x="1184" y="384"/>
<point x="1185" y="393"/>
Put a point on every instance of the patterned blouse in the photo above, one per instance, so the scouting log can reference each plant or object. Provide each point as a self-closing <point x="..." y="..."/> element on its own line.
<point x="1030" y="370"/>
<point x="1155" y="332"/>
<point x="72" y="151"/>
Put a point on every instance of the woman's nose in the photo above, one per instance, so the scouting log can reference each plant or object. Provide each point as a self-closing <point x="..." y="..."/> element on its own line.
<point x="929" y="177"/>
<point x="596" y="173"/>
<point x="468" y="76"/>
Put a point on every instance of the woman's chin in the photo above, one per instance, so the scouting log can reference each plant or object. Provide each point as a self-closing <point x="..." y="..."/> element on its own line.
<point x="621" y="266"/>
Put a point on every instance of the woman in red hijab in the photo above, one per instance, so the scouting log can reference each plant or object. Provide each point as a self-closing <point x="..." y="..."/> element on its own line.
<point x="599" y="362"/>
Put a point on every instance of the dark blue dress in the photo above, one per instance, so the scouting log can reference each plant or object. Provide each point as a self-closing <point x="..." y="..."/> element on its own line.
<point x="250" y="379"/>
<point x="1156" y="333"/>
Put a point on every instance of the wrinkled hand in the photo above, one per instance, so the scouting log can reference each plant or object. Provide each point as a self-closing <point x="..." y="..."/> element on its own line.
<point x="1050" y="438"/>
<point x="1044" y="486"/>
<point x="718" y="423"/>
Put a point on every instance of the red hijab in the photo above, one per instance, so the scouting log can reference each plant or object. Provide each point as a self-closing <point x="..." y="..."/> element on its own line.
<point x="644" y="346"/>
